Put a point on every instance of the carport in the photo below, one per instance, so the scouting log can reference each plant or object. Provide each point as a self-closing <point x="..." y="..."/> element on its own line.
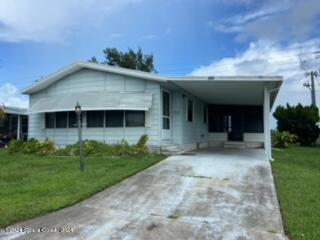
<point x="238" y="107"/>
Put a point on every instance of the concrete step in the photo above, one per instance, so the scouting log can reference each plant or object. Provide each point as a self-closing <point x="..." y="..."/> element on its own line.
<point x="234" y="144"/>
<point x="170" y="149"/>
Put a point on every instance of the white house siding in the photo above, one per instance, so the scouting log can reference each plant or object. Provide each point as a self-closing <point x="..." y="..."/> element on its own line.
<point x="187" y="133"/>
<point x="90" y="80"/>
<point x="252" y="140"/>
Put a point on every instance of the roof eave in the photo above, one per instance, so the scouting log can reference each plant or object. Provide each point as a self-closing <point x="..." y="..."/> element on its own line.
<point x="38" y="86"/>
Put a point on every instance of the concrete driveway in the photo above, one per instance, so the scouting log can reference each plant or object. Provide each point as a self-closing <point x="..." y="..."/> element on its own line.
<point x="214" y="194"/>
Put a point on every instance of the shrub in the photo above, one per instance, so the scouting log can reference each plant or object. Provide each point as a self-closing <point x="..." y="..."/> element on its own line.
<point x="31" y="146"/>
<point x="282" y="139"/>
<point x="96" y="148"/>
<point x="299" y="120"/>
<point x="16" y="146"/>
<point x="46" y="148"/>
<point x="142" y="144"/>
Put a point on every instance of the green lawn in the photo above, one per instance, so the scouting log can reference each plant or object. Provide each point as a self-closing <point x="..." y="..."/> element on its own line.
<point x="31" y="186"/>
<point x="297" y="176"/>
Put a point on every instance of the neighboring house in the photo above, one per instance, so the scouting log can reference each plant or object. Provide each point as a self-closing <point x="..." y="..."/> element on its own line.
<point x="177" y="113"/>
<point x="15" y="124"/>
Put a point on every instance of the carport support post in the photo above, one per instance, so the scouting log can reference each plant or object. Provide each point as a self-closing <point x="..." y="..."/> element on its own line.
<point x="19" y="127"/>
<point x="266" y="127"/>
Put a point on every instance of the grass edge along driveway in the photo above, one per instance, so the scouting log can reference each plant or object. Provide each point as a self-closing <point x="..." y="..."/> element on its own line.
<point x="297" y="176"/>
<point x="32" y="186"/>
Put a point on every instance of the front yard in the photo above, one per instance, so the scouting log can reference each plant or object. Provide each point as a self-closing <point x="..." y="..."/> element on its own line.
<point x="297" y="176"/>
<point x="32" y="185"/>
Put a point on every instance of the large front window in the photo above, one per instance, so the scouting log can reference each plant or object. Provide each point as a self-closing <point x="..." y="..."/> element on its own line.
<point x="72" y="120"/>
<point x="61" y="119"/>
<point x="135" y="118"/>
<point x="50" y="120"/>
<point x="95" y="119"/>
<point x="114" y="118"/>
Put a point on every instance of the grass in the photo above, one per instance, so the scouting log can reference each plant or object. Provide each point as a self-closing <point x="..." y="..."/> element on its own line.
<point x="297" y="176"/>
<point x="32" y="186"/>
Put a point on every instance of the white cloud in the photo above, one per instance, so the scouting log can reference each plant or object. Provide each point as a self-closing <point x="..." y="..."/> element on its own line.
<point x="45" y="20"/>
<point x="275" y="20"/>
<point x="267" y="58"/>
<point x="10" y="96"/>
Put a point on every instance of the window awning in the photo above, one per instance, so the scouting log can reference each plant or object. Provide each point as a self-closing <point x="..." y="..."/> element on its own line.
<point x="94" y="101"/>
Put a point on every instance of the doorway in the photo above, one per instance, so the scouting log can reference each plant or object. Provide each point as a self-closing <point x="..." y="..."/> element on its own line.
<point x="235" y="126"/>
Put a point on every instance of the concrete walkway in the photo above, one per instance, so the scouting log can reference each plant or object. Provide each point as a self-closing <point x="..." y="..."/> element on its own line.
<point x="215" y="194"/>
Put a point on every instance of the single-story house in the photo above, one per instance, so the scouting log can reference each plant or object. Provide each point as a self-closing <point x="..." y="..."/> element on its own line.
<point x="177" y="113"/>
<point x="15" y="123"/>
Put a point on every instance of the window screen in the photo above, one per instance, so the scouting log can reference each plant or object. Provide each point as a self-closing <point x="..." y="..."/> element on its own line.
<point x="95" y="119"/>
<point x="73" y="120"/>
<point x="50" y="120"/>
<point x="114" y="118"/>
<point x="190" y="110"/>
<point x="135" y="118"/>
<point x="61" y="119"/>
<point x="204" y="114"/>
<point x="165" y="123"/>
<point x="165" y="110"/>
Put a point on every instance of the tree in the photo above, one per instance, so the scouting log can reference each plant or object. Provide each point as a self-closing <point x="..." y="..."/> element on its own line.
<point x="299" y="120"/>
<point x="130" y="59"/>
<point x="2" y="112"/>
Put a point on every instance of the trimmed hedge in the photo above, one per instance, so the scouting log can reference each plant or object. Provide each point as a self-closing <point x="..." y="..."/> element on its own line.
<point x="90" y="147"/>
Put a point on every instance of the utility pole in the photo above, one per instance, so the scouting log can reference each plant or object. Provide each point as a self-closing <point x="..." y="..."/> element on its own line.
<point x="313" y="75"/>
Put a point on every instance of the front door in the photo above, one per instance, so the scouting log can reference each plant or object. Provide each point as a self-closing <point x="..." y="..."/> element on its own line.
<point x="235" y="127"/>
<point x="166" y="117"/>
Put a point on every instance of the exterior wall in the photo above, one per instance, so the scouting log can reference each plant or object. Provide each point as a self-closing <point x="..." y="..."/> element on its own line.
<point x="90" y="80"/>
<point x="184" y="132"/>
<point x="217" y="139"/>
<point x="252" y="140"/>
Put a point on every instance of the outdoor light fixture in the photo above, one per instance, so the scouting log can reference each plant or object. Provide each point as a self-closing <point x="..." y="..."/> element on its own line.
<point x="77" y="110"/>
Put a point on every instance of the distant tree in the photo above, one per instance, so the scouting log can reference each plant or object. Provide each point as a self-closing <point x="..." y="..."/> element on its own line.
<point x="93" y="60"/>
<point x="130" y="59"/>
<point x="299" y="120"/>
<point x="2" y="113"/>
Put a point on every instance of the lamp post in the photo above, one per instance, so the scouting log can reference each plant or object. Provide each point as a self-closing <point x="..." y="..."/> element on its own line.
<point x="77" y="109"/>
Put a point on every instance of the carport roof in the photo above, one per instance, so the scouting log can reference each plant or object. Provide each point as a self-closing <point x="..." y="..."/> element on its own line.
<point x="231" y="90"/>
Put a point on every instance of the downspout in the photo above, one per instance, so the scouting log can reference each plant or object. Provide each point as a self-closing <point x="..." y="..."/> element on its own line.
<point x="269" y="130"/>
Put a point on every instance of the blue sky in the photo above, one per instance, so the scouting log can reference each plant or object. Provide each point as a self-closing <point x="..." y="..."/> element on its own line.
<point x="187" y="37"/>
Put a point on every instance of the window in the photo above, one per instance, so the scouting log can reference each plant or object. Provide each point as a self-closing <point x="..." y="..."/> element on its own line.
<point x="61" y="119"/>
<point x="50" y="120"/>
<point x="114" y="118"/>
<point x="95" y="119"/>
<point x="135" y="118"/>
<point x="190" y="110"/>
<point x="73" y="120"/>
<point x="165" y="110"/>
<point x="205" y="114"/>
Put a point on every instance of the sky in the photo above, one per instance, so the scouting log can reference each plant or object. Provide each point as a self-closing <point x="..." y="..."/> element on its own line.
<point x="186" y="37"/>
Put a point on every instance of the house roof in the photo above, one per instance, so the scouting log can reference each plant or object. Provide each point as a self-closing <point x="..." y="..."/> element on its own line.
<point x="238" y="90"/>
<point x="52" y="78"/>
